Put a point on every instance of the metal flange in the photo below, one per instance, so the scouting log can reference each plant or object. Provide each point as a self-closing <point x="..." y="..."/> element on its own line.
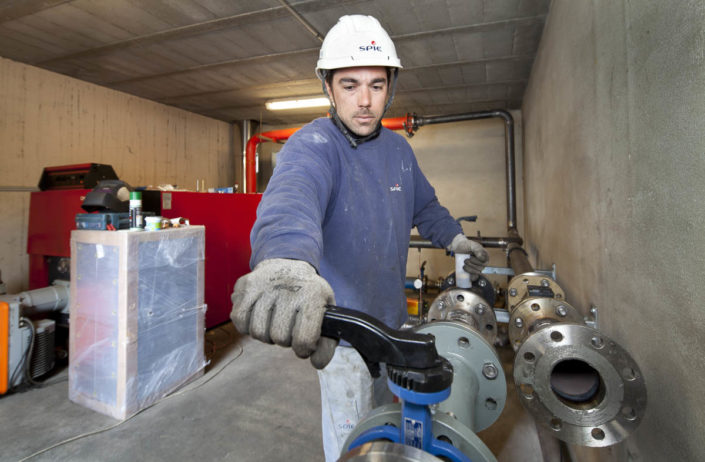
<point x="479" y="389"/>
<point x="531" y="314"/>
<point x="386" y="451"/>
<point x="464" y="306"/>
<point x="445" y="427"/>
<point x="580" y="384"/>
<point x="532" y="285"/>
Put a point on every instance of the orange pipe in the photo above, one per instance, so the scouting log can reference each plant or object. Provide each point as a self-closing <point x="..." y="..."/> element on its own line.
<point x="4" y="347"/>
<point x="251" y="150"/>
<point x="395" y="123"/>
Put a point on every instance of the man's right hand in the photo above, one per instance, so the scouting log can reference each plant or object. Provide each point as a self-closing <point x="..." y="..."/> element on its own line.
<point x="283" y="301"/>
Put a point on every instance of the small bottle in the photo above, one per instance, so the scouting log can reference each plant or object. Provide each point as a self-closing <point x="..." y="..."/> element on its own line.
<point x="136" y="222"/>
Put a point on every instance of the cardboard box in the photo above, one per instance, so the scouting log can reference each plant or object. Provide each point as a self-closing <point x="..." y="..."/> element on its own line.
<point x="137" y="316"/>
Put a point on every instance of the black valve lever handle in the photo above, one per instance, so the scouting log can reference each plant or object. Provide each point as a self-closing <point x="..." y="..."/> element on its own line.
<point x="377" y="343"/>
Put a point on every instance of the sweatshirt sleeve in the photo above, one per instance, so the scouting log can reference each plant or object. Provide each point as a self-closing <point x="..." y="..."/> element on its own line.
<point x="293" y="207"/>
<point x="432" y="220"/>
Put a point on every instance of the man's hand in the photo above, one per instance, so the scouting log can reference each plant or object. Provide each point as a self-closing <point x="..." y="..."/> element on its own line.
<point x="283" y="301"/>
<point x="478" y="255"/>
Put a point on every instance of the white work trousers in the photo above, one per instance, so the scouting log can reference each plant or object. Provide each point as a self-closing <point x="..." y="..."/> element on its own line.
<point x="348" y="393"/>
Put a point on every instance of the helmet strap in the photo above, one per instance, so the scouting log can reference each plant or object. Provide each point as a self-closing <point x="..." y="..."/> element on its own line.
<point x="392" y="91"/>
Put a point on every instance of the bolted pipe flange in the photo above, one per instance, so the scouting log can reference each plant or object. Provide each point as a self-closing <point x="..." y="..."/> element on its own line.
<point x="532" y="285"/>
<point x="479" y="389"/>
<point x="445" y="427"/>
<point x="376" y="451"/>
<point x="532" y="314"/>
<point x="580" y="384"/>
<point x="462" y="305"/>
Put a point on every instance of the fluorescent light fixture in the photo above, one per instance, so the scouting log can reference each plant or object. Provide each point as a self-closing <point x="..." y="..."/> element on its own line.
<point x="297" y="103"/>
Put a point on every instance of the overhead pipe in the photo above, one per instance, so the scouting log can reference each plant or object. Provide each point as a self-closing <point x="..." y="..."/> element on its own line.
<point x="487" y="242"/>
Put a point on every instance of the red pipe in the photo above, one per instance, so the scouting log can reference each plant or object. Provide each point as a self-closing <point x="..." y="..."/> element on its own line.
<point x="251" y="149"/>
<point x="396" y="123"/>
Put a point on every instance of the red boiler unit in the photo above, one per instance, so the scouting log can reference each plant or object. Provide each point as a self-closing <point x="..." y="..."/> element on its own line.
<point x="228" y="219"/>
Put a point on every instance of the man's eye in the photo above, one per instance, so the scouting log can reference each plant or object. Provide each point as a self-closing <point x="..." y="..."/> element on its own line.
<point x="348" y="87"/>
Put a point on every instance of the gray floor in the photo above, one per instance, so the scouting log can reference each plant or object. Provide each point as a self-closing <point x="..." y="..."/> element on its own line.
<point x="255" y="402"/>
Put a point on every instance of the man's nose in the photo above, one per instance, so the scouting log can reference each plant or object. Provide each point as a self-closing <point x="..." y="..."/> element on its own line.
<point x="364" y="97"/>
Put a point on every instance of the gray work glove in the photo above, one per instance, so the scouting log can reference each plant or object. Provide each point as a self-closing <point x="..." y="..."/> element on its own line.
<point x="478" y="255"/>
<point x="283" y="301"/>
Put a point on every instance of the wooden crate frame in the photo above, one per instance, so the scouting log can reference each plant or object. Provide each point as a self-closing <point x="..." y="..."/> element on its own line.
<point x="128" y="244"/>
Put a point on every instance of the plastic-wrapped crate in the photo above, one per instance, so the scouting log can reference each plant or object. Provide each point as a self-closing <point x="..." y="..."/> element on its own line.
<point x="137" y="316"/>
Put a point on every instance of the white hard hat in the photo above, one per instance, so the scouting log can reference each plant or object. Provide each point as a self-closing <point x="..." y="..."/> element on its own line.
<point x="354" y="41"/>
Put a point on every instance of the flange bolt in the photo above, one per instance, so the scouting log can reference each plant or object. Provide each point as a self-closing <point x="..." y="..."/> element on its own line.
<point x="489" y="370"/>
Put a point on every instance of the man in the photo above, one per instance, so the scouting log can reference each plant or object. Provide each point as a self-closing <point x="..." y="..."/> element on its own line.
<point x="334" y="224"/>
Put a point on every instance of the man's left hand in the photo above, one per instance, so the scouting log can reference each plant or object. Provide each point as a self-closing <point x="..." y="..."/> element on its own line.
<point x="478" y="255"/>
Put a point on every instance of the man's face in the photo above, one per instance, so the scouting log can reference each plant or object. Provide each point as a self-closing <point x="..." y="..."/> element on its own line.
<point x="359" y="95"/>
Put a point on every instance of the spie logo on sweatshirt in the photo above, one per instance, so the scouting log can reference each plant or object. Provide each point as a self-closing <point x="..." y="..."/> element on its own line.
<point x="396" y="187"/>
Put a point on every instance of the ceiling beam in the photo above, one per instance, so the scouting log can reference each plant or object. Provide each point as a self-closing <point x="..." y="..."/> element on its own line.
<point x="402" y="93"/>
<point x="205" y="67"/>
<point x="288" y="83"/>
<point x="302" y="20"/>
<point x="14" y="9"/>
<point x="190" y="30"/>
<point x="481" y="27"/>
<point x="403" y="37"/>
<point x="269" y="86"/>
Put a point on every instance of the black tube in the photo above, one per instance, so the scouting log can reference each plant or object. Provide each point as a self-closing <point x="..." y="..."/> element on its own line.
<point x="508" y="148"/>
<point x="518" y="259"/>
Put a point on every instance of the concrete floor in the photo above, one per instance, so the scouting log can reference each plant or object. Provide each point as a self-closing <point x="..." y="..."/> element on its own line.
<point x="256" y="402"/>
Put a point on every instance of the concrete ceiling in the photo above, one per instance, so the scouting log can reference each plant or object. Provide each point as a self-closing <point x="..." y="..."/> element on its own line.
<point x="225" y="58"/>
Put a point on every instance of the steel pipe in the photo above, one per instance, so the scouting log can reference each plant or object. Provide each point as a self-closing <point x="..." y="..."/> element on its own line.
<point x="488" y="242"/>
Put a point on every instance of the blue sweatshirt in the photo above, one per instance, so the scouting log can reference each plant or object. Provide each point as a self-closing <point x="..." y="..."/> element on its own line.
<point x="349" y="212"/>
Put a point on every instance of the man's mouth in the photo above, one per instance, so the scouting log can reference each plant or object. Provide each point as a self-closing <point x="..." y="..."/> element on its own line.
<point x="365" y="118"/>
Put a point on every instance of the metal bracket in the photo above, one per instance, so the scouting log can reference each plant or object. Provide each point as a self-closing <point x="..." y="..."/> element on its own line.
<point x="510" y="272"/>
<point x="591" y="319"/>
<point x="502" y="315"/>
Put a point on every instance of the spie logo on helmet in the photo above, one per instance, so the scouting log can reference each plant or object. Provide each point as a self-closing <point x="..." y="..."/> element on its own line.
<point x="371" y="47"/>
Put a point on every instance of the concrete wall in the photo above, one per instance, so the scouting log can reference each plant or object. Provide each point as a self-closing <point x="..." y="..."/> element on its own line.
<point x="48" y="119"/>
<point x="614" y="167"/>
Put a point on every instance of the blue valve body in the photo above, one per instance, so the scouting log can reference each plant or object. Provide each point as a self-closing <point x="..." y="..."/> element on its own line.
<point x="416" y="425"/>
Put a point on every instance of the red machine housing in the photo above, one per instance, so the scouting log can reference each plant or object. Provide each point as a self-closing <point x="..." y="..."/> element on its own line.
<point x="228" y="219"/>
<point x="52" y="216"/>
